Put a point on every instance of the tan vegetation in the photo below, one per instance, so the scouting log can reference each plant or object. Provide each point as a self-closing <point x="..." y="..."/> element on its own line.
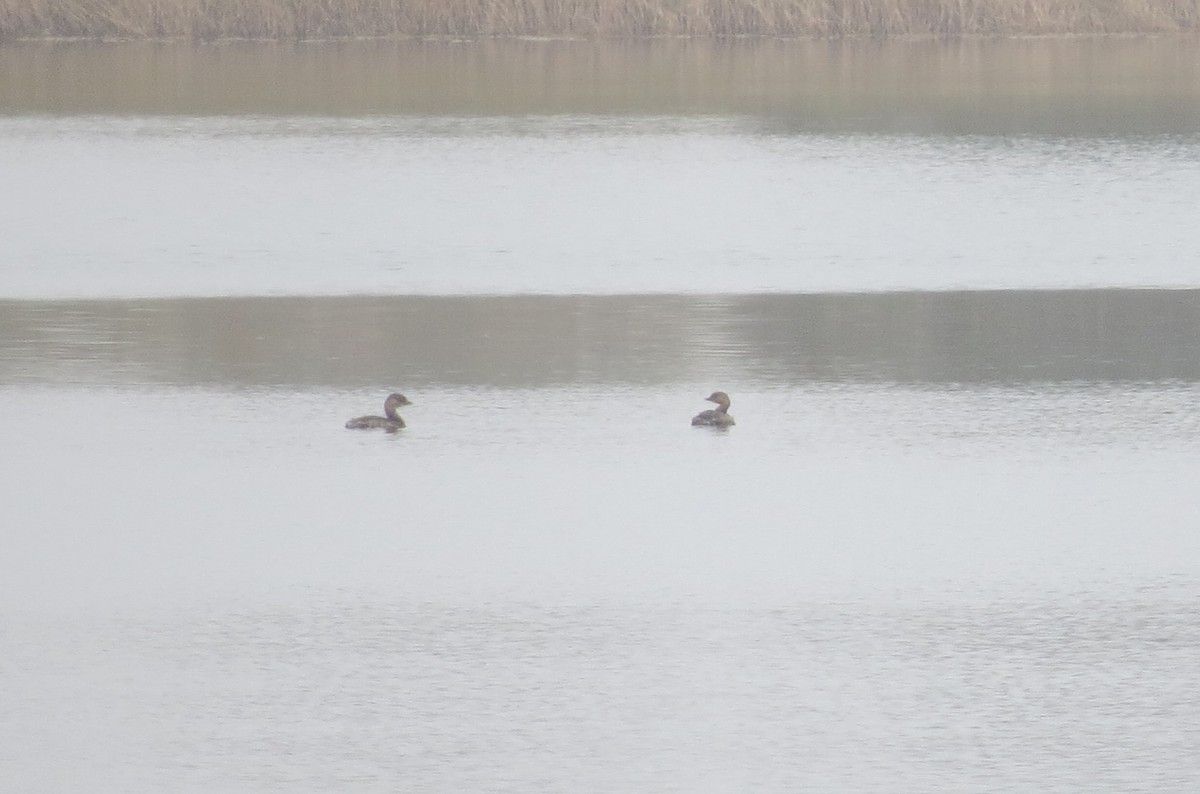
<point x="320" y="19"/>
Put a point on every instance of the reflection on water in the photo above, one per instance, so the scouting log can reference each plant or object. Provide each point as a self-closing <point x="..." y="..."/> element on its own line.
<point x="529" y="341"/>
<point x="1115" y="86"/>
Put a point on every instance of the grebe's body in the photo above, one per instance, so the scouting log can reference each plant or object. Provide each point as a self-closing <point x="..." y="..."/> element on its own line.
<point x="390" y="421"/>
<point x="715" y="417"/>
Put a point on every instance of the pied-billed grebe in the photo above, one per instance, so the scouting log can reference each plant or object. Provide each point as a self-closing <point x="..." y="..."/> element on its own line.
<point x="715" y="417"/>
<point x="390" y="421"/>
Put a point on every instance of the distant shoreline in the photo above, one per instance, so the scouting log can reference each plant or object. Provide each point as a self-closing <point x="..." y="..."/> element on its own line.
<point x="212" y="20"/>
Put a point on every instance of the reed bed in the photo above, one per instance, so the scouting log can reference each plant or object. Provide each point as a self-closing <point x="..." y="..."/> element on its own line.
<point x="325" y="19"/>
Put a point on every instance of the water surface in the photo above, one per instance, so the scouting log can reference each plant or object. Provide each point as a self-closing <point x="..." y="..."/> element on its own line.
<point x="950" y="544"/>
<point x="938" y="537"/>
<point x="116" y="207"/>
<point x="597" y="168"/>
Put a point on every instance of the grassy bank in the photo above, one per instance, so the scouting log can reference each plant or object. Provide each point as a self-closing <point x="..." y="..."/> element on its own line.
<point x="319" y="19"/>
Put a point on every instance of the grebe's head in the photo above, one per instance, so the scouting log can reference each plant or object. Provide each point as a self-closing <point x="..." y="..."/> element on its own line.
<point x="396" y="400"/>
<point x="718" y="397"/>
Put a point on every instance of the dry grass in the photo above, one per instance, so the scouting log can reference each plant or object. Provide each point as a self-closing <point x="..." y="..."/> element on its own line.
<point x="319" y="19"/>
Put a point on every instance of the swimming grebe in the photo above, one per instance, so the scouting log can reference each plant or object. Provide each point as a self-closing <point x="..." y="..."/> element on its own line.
<point x="715" y="417"/>
<point x="390" y="421"/>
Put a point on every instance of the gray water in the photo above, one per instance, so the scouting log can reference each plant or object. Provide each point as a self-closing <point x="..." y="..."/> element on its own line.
<point x="950" y="545"/>
<point x="567" y="205"/>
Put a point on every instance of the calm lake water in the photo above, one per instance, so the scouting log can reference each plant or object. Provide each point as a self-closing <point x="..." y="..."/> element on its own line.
<point x="951" y="543"/>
